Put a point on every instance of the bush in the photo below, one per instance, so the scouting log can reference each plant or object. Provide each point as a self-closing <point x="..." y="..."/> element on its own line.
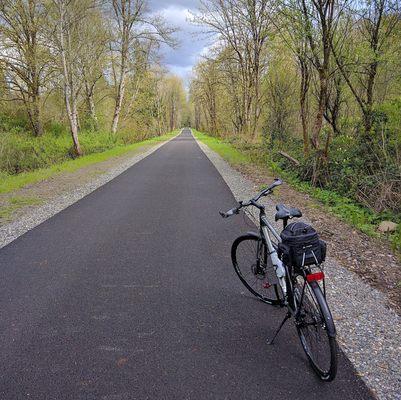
<point x="21" y="152"/>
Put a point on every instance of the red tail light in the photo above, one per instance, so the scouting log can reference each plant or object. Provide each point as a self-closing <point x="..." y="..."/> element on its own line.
<point x="317" y="276"/>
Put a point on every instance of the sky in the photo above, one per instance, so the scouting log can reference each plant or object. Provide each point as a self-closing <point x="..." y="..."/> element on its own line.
<point x="180" y="61"/>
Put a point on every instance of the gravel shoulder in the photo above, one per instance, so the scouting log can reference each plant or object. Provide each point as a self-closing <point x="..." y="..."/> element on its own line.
<point x="34" y="204"/>
<point x="370" y="258"/>
<point x="369" y="331"/>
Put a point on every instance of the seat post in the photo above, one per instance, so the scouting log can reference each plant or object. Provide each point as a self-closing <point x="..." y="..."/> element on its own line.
<point x="285" y="222"/>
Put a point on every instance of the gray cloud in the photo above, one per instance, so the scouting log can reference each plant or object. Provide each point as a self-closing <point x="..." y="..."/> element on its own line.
<point x="159" y="4"/>
<point x="181" y="60"/>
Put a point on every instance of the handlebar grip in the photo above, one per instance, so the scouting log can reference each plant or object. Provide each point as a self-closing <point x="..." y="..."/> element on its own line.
<point x="229" y="213"/>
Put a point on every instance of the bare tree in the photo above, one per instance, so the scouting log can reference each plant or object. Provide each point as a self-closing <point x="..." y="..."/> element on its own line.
<point x="133" y="23"/>
<point x="207" y="83"/>
<point x="320" y="20"/>
<point x="68" y="22"/>
<point x="242" y="26"/>
<point x="375" y="21"/>
<point x="291" y="25"/>
<point x="23" y="55"/>
<point x="92" y="59"/>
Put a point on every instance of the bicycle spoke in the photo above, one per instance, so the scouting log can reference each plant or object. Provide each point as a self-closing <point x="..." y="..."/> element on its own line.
<point x="252" y="267"/>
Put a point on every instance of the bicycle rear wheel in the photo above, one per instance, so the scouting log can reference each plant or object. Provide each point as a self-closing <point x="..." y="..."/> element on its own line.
<point x="316" y="329"/>
<point x="254" y="269"/>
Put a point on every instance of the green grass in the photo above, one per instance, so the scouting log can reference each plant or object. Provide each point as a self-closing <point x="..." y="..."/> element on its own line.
<point x="9" y="183"/>
<point x="226" y="150"/>
<point x="14" y="204"/>
<point x="356" y="215"/>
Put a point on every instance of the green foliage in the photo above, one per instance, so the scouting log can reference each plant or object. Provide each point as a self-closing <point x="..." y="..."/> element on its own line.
<point x="20" y="152"/>
<point x="226" y="150"/>
<point x="363" y="218"/>
<point x="13" y="123"/>
<point x="9" y="183"/>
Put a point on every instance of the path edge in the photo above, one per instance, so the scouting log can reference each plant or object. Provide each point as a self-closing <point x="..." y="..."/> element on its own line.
<point x="383" y="324"/>
<point x="37" y="215"/>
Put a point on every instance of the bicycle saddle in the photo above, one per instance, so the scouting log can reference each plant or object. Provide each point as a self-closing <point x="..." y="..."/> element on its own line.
<point x="284" y="212"/>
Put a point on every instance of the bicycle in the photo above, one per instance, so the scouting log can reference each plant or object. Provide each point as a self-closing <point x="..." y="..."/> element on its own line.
<point x="301" y="290"/>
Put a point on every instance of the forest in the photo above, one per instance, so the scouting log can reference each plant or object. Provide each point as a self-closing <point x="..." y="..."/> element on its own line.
<point x="309" y="86"/>
<point x="82" y="76"/>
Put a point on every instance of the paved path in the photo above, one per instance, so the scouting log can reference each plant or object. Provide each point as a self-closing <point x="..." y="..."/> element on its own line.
<point x="130" y="294"/>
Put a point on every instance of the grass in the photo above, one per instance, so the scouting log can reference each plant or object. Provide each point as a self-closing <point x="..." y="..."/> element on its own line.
<point x="226" y="150"/>
<point x="346" y="209"/>
<point x="15" y="203"/>
<point x="10" y="183"/>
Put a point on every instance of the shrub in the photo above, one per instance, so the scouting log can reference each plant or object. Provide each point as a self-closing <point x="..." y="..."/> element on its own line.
<point x="20" y="151"/>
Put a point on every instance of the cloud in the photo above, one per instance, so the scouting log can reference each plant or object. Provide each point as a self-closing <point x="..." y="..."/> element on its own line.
<point x="161" y="4"/>
<point x="191" y="43"/>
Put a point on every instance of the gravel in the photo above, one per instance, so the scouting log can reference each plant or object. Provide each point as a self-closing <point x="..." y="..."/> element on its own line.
<point x="37" y="215"/>
<point x="368" y="331"/>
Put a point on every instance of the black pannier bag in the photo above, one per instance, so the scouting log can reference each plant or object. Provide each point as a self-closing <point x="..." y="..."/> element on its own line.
<point x="301" y="245"/>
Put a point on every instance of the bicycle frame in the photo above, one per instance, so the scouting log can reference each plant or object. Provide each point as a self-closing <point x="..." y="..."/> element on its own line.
<point x="294" y="290"/>
<point x="266" y="229"/>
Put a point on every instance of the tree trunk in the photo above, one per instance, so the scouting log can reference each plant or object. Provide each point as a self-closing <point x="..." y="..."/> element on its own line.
<point x="69" y="92"/>
<point x="33" y="108"/>
<point x="304" y="104"/>
<point x="90" y="103"/>
<point x="72" y="115"/>
<point x="91" y="107"/>
<point x="315" y="140"/>
<point x="119" y="102"/>
<point x="368" y="113"/>
<point x="121" y="84"/>
<point x="74" y="134"/>
<point x="35" y="119"/>
<point x="317" y="127"/>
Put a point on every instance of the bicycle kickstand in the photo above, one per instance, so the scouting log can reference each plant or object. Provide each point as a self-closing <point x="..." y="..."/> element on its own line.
<point x="287" y="317"/>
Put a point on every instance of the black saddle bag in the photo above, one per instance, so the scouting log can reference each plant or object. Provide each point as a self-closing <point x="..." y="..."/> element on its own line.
<point x="301" y="246"/>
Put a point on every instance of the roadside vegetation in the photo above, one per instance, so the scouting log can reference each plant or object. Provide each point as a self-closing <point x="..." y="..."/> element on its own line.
<point x="81" y="81"/>
<point x="347" y="209"/>
<point x="11" y="182"/>
<point x="311" y="90"/>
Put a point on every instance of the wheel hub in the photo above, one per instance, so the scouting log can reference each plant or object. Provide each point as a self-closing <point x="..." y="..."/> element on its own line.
<point x="258" y="271"/>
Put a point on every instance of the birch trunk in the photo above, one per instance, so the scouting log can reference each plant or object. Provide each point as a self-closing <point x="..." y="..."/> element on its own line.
<point x="119" y="102"/>
<point x="69" y="89"/>
<point x="90" y="103"/>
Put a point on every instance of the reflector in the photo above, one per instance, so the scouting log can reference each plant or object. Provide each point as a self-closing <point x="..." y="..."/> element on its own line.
<point x="317" y="276"/>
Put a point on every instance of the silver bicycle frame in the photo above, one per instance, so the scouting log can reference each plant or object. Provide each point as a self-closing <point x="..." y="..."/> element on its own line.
<point x="266" y="230"/>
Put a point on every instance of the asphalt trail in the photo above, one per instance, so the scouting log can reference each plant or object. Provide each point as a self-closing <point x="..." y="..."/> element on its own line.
<point x="130" y="294"/>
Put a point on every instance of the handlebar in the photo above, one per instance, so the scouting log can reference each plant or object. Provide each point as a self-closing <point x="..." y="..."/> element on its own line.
<point x="253" y="201"/>
<point x="229" y="213"/>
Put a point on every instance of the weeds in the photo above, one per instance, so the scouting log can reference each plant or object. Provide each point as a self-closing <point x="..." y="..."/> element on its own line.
<point x="348" y="210"/>
<point x="14" y="204"/>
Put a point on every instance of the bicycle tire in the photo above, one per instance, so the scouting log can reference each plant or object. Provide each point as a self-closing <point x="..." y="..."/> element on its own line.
<point x="255" y="281"/>
<point x="318" y="316"/>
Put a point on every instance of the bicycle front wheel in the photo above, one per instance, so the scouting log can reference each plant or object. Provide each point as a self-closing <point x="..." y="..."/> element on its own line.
<point x="254" y="269"/>
<point x="316" y="329"/>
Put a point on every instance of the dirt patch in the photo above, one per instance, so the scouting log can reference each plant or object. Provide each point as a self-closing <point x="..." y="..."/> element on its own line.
<point x="38" y="193"/>
<point x="370" y="258"/>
